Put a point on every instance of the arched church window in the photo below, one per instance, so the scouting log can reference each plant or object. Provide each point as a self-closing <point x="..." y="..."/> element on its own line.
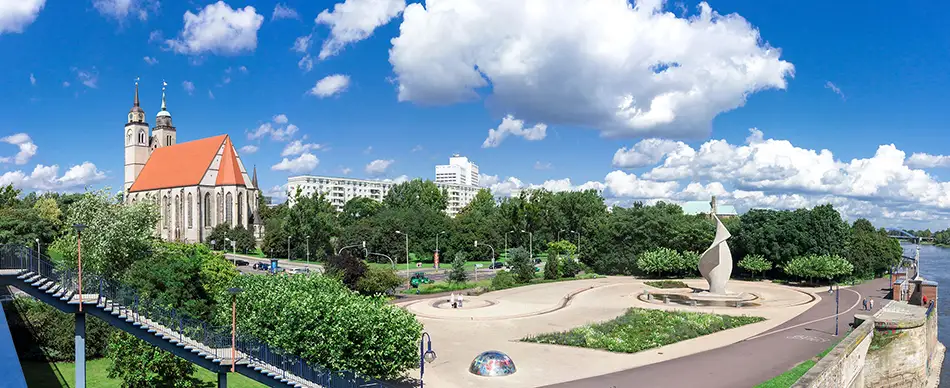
<point x="141" y="137"/>
<point x="128" y="138"/>
<point x="167" y="212"/>
<point x="240" y="212"/>
<point x="228" y="202"/>
<point x="177" y="214"/>
<point x="168" y="140"/>
<point x="190" y="210"/>
<point x="219" y="204"/>
<point x="207" y="209"/>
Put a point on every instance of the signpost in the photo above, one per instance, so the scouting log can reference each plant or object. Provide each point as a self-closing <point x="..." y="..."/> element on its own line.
<point x="477" y="266"/>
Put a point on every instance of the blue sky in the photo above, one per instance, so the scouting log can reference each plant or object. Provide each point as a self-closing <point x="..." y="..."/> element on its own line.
<point x="402" y="88"/>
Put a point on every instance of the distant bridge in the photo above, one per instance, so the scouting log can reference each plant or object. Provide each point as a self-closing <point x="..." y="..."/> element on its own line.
<point x="901" y="234"/>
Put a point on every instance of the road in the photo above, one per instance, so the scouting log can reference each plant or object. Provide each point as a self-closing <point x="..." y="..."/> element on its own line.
<point x="433" y="274"/>
<point x="757" y="359"/>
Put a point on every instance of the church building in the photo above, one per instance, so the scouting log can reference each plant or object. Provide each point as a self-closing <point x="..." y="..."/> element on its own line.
<point x="197" y="185"/>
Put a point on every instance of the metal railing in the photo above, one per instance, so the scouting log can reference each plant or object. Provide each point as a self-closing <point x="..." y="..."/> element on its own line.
<point x="179" y="326"/>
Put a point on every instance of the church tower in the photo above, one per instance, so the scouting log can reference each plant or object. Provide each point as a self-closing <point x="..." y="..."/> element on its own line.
<point x="164" y="130"/>
<point x="136" y="141"/>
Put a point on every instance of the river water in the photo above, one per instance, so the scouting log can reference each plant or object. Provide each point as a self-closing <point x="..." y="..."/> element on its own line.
<point x="935" y="265"/>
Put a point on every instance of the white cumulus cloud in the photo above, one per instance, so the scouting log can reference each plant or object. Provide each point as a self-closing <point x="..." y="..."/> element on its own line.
<point x="218" y="29"/>
<point x="379" y="167"/>
<point x="16" y="15"/>
<point x="510" y="126"/>
<point x="646" y="153"/>
<point x="121" y="9"/>
<point x="924" y="160"/>
<point x="355" y="20"/>
<point x="26" y="148"/>
<point x="330" y="85"/>
<point x="188" y="86"/>
<point x="627" y="71"/>
<point x="282" y="11"/>
<point x="297" y="147"/>
<point x="32" y="80"/>
<point x="303" y="163"/>
<point x="249" y="149"/>
<point x="151" y="61"/>
<point x="47" y="178"/>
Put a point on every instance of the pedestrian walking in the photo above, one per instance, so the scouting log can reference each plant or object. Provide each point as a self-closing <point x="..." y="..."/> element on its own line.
<point x="460" y="300"/>
<point x="864" y="302"/>
<point x="871" y="303"/>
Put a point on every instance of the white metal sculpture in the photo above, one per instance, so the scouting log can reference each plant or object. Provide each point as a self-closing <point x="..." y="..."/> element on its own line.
<point x="716" y="262"/>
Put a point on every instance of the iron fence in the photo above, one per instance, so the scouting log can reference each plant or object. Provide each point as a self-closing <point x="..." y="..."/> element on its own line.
<point x="178" y="325"/>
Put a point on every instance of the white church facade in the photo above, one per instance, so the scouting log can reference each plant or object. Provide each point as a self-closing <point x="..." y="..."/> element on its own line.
<point x="197" y="185"/>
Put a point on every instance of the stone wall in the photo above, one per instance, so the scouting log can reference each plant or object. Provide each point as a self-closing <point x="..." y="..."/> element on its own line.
<point x="844" y="365"/>
<point x="896" y="348"/>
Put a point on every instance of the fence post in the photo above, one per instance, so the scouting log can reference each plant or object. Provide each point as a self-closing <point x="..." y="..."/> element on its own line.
<point x="99" y="298"/>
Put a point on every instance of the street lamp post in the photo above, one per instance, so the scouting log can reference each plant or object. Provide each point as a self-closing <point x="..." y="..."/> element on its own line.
<point x="408" y="279"/>
<point x="308" y="248"/>
<point x="80" y="324"/>
<point x="506" y="242"/>
<point x="212" y="245"/>
<point x="530" y="243"/>
<point x="340" y="252"/>
<point x="426" y="355"/>
<point x="234" y="291"/>
<point x="380" y="254"/>
<point x="492" y="257"/>
<point x="437" y="252"/>
<point x="288" y="247"/>
<point x="578" y="246"/>
<point x="37" y="246"/>
<point x="837" y="292"/>
<point x="233" y="258"/>
<point x="559" y="234"/>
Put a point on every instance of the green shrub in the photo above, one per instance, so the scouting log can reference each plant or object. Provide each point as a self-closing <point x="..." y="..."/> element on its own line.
<point x="570" y="268"/>
<point x="378" y="280"/>
<point x="139" y="364"/>
<point x="552" y="268"/>
<point x="521" y="265"/>
<point x="41" y="332"/>
<point x="689" y="263"/>
<point x="458" y="274"/>
<point x="667" y="284"/>
<point x="503" y="280"/>
<point x="659" y="261"/>
<point x="327" y="324"/>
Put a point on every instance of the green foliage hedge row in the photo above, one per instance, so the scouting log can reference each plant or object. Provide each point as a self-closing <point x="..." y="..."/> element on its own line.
<point x="41" y="332"/>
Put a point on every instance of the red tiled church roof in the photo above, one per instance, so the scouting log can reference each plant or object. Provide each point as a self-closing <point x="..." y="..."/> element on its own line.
<point x="185" y="164"/>
<point x="229" y="172"/>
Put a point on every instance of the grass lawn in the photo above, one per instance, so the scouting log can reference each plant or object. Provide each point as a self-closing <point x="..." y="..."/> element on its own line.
<point x="62" y="374"/>
<point x="787" y="379"/>
<point x="641" y="329"/>
<point x="666" y="284"/>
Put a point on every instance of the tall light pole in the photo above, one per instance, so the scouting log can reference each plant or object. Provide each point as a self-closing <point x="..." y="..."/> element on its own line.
<point x="506" y="242"/>
<point x="308" y="248"/>
<point x="530" y="243"/>
<point x="212" y="245"/>
<point x="234" y="291"/>
<point x="578" y="246"/>
<point x="80" y="325"/>
<point x="559" y="234"/>
<point x="492" y="257"/>
<point x="37" y="246"/>
<point x="233" y="258"/>
<point x="437" y="252"/>
<point x="288" y="247"/>
<point x="408" y="279"/>
<point x="340" y="252"/>
<point x="837" y="292"/>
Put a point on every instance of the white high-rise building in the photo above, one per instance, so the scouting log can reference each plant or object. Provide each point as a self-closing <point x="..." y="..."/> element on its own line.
<point x="340" y="190"/>
<point x="459" y="171"/>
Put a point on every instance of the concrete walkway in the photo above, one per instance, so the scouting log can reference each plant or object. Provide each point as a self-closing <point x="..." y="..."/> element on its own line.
<point x="757" y="359"/>
<point x="460" y="335"/>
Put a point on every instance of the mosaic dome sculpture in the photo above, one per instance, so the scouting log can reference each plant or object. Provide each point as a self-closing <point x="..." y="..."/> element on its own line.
<point x="492" y="363"/>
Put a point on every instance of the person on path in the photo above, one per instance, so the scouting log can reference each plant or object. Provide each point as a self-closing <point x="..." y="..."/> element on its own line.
<point x="864" y="302"/>
<point x="871" y="303"/>
<point x="460" y="300"/>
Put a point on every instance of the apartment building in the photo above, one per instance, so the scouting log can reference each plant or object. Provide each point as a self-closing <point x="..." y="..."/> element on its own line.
<point x="459" y="171"/>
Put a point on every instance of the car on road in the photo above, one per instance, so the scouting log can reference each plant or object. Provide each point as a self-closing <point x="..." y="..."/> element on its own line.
<point x="497" y="265"/>
<point x="296" y="271"/>
<point x="241" y="263"/>
<point x="261" y="266"/>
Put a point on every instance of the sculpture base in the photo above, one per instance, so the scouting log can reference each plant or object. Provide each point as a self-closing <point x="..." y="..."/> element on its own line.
<point x="702" y="299"/>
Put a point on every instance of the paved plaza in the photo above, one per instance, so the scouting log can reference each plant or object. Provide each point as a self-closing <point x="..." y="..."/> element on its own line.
<point x="498" y="320"/>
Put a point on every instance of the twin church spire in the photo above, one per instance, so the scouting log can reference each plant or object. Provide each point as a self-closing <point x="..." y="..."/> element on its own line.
<point x="136" y="107"/>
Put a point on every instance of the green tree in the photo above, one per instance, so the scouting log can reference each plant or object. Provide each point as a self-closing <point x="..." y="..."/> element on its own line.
<point x="327" y="324"/>
<point x="9" y="196"/>
<point x="312" y="220"/>
<point x="139" y="364"/>
<point x="357" y="209"/>
<point x="458" y="274"/>
<point x="521" y="265"/>
<point x="756" y="264"/>
<point x="818" y="266"/>
<point x="416" y="194"/>
<point x="659" y="261"/>
<point x="552" y="268"/>
<point x="43" y="333"/>
<point x="47" y="209"/>
<point x="689" y="263"/>
<point x="378" y="280"/>
<point x="871" y="251"/>
<point x="116" y="235"/>
<point x="347" y="268"/>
